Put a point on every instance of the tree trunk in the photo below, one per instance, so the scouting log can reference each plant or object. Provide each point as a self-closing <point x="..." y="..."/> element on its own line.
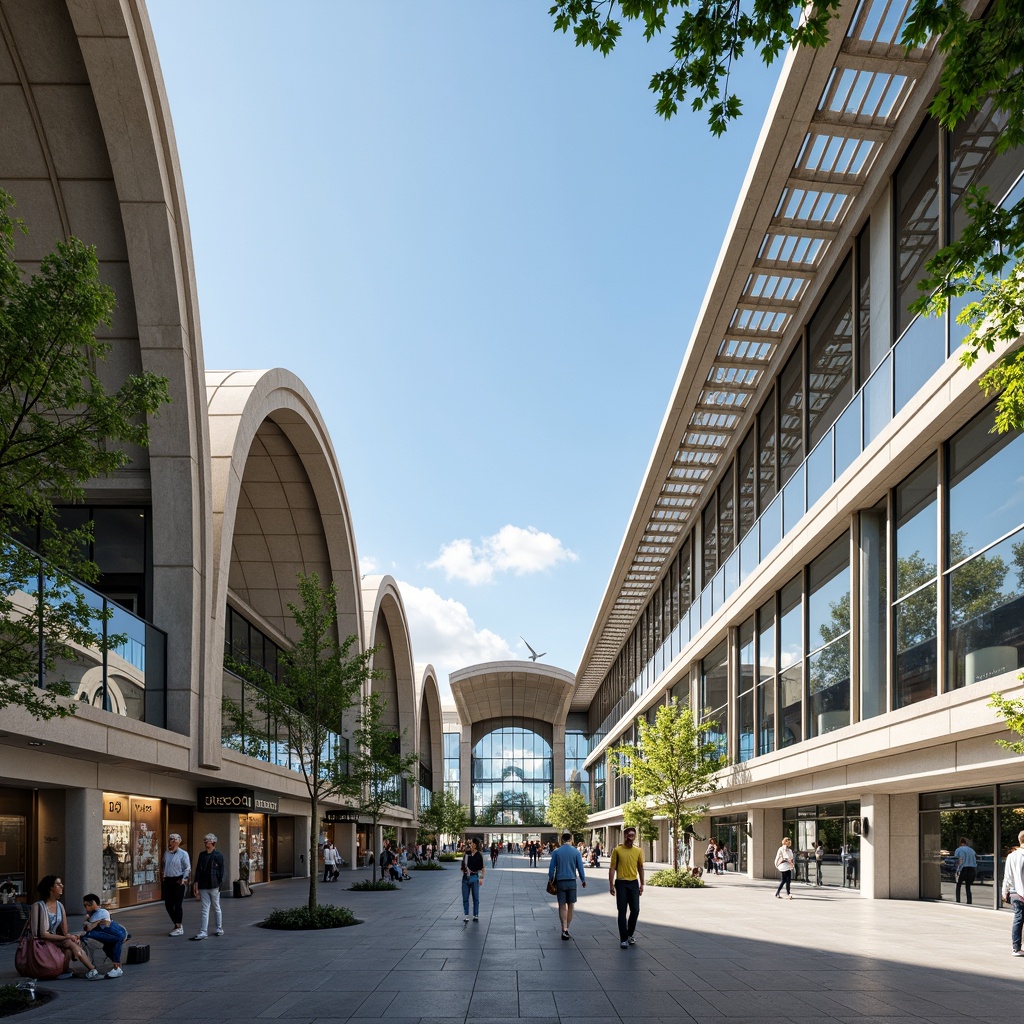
<point x="675" y="843"/>
<point x="314" y="865"/>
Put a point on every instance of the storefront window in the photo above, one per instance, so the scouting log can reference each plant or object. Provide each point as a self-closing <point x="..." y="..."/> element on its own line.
<point x="836" y="826"/>
<point x="828" y="639"/>
<point x="791" y="665"/>
<point x="252" y="861"/>
<point x="132" y="836"/>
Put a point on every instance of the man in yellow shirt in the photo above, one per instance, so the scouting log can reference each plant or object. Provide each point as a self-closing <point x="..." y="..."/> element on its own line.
<point x="628" y="864"/>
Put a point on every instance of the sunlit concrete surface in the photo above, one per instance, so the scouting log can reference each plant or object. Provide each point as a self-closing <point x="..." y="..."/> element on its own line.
<point x="730" y="951"/>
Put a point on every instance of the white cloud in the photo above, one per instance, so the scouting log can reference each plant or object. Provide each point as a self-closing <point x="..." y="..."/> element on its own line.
<point x="512" y="549"/>
<point x="368" y="565"/>
<point x="445" y="636"/>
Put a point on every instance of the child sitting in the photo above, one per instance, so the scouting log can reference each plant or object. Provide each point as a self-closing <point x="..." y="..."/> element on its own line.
<point x="108" y="933"/>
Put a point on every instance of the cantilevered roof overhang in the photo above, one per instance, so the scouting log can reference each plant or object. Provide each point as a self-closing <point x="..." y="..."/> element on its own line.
<point x="824" y="142"/>
<point x="507" y="689"/>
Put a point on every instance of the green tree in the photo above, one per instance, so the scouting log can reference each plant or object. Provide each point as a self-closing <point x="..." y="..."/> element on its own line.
<point x="59" y="429"/>
<point x="568" y="811"/>
<point x="982" y="66"/>
<point x="671" y="766"/>
<point x="1011" y="710"/>
<point x="641" y="817"/>
<point x="318" y="682"/>
<point x="444" y="817"/>
<point x="376" y="766"/>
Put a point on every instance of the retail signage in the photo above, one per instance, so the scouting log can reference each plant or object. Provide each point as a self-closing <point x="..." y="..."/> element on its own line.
<point x="249" y="801"/>
<point x="341" y="817"/>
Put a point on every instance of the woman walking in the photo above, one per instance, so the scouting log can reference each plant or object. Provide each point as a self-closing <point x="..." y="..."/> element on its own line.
<point x="472" y="879"/>
<point x="784" y="862"/>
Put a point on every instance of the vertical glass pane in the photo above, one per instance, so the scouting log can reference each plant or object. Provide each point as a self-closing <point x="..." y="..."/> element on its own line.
<point x="767" y="480"/>
<point x="919" y="353"/>
<point x="828" y="683"/>
<point x="710" y="529"/>
<point x="766" y="678"/>
<point x="747" y="468"/>
<point x="750" y="553"/>
<point x="916" y="528"/>
<point x="986" y="613"/>
<point x="916" y="184"/>
<point x="794" y="501"/>
<point x="726" y="518"/>
<point x="820" y="470"/>
<point x="830" y="355"/>
<point x="745" y="690"/>
<point x="878" y="401"/>
<point x="916" y="663"/>
<point x="874" y="605"/>
<point x="828" y="599"/>
<point x="847" y="436"/>
<point x="791" y="648"/>
<point x="870" y="355"/>
<point x="771" y="527"/>
<point x="791" y="415"/>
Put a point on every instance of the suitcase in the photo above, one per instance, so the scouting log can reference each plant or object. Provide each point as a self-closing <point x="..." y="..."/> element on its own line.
<point x="138" y="954"/>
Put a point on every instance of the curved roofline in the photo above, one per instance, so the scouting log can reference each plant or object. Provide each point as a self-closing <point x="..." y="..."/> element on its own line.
<point x="537" y="668"/>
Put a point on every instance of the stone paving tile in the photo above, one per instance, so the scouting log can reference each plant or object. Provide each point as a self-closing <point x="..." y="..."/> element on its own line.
<point x="374" y="1005"/>
<point x="416" y="1003"/>
<point x="436" y="981"/>
<point x="549" y="981"/>
<point x="490" y="1004"/>
<point x="593" y="1003"/>
<point x="537" y="1004"/>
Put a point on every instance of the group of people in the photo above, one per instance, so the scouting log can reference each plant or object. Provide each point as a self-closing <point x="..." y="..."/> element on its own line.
<point x="717" y="858"/>
<point x="625" y="879"/>
<point x="48" y="920"/>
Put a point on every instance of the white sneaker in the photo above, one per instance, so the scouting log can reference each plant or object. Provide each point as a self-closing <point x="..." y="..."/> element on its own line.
<point x="631" y="940"/>
<point x="623" y="945"/>
<point x="199" y="936"/>
<point x="93" y="975"/>
<point x="466" y="918"/>
<point x="219" y="931"/>
<point x="176" y="931"/>
<point x="115" y="972"/>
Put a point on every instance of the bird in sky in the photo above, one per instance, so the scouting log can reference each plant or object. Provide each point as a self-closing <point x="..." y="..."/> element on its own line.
<point x="533" y="654"/>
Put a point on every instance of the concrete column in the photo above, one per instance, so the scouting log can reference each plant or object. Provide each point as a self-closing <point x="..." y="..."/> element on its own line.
<point x="83" y="846"/>
<point x="875" y="863"/>
<point x="904" y="847"/>
<point x="771" y="831"/>
<point x="466" y="768"/>
<point x="345" y="841"/>
<point x="756" y="842"/>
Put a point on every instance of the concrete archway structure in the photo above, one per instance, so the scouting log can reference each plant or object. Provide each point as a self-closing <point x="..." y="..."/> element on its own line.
<point x="88" y="150"/>
<point x="430" y="730"/>
<point x="280" y="509"/>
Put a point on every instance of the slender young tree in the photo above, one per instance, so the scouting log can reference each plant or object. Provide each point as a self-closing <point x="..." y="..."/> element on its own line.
<point x="319" y="682"/>
<point x="444" y="817"/>
<point x="59" y="428"/>
<point x="568" y="811"/>
<point x="376" y="766"/>
<point x="671" y="767"/>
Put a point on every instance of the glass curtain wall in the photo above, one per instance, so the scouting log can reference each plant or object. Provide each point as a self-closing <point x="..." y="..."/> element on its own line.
<point x="513" y="774"/>
<point x="828" y="639"/>
<point x="714" y="696"/>
<point x="452" y="764"/>
<point x="989" y="818"/>
<point x="835" y="825"/>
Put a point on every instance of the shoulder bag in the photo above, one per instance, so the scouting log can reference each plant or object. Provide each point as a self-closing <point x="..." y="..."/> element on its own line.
<point x="39" y="959"/>
<point x="551" y="887"/>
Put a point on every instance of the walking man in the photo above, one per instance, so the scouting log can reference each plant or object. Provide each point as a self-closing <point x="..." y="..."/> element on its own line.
<point x="626" y="884"/>
<point x="174" y="880"/>
<point x="209" y="876"/>
<point x="966" y="868"/>
<point x="566" y="864"/>
<point x="1013" y="892"/>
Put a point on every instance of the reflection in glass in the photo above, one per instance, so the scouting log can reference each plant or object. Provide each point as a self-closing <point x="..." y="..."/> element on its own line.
<point x="916" y="667"/>
<point x="513" y="776"/>
<point x="766" y="678"/>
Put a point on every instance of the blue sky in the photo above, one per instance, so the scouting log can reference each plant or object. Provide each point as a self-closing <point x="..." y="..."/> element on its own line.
<point x="483" y="253"/>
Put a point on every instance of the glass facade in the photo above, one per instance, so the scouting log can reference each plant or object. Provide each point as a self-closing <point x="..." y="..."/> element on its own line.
<point x="577" y="748"/>
<point x="989" y="818"/>
<point x="837" y="826"/>
<point x="452" y="763"/>
<point x="513" y="774"/>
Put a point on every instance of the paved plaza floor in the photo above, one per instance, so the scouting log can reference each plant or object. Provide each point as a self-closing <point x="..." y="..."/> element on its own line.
<point x="728" y="952"/>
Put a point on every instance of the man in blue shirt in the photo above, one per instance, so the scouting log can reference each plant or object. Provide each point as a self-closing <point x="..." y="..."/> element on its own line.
<point x="966" y="869"/>
<point x="566" y="863"/>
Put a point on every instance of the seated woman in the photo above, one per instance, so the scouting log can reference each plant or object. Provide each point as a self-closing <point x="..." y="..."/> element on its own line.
<point x="49" y="923"/>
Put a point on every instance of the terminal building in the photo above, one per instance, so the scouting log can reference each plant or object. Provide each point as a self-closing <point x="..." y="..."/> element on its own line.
<point x="200" y="540"/>
<point x="826" y="556"/>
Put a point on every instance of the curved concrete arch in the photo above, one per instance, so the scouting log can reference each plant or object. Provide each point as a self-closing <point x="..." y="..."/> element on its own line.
<point x="386" y="626"/>
<point x="279" y="506"/>
<point x="89" y="151"/>
<point x="430" y="728"/>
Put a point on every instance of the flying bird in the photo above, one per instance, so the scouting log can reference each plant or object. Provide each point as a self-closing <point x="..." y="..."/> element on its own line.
<point x="533" y="654"/>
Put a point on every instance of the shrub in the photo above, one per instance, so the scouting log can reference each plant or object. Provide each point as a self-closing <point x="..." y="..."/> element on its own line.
<point x="428" y="865"/>
<point x="381" y="885"/>
<point x="12" y="1000"/>
<point x="449" y="856"/>
<point x="299" y="918"/>
<point x="675" y="879"/>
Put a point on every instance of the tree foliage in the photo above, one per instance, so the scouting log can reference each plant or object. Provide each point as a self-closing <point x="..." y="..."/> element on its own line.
<point x="641" y="817"/>
<point x="671" y="766"/>
<point x="512" y="807"/>
<point x="318" y="683"/>
<point x="376" y="766"/>
<point x="444" y="817"/>
<point x="568" y="811"/>
<point x="983" y="62"/>
<point x="59" y="428"/>
<point x="1011" y="710"/>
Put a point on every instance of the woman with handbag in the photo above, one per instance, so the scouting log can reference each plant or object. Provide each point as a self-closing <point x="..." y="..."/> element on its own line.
<point x="48" y="927"/>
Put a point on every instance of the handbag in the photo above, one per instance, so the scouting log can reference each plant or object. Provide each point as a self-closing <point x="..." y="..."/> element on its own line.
<point x="36" y="958"/>
<point x="551" y="887"/>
